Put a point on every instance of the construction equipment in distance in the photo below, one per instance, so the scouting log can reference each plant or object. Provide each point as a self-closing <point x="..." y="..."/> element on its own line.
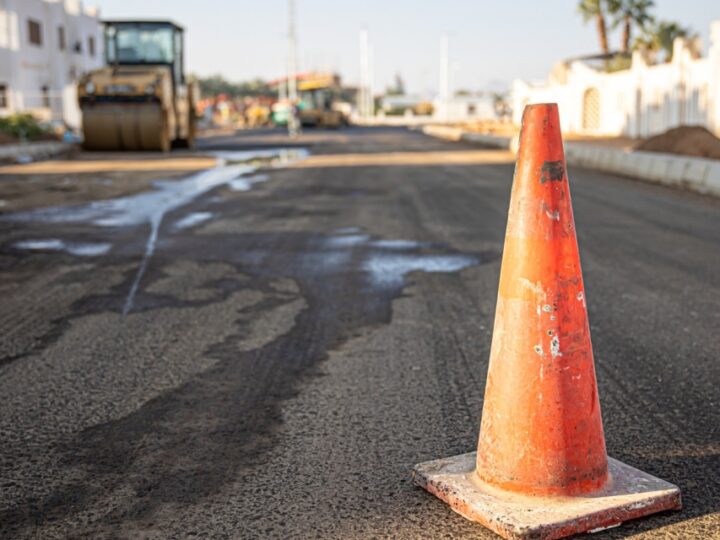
<point x="318" y="94"/>
<point x="318" y="104"/>
<point x="141" y="100"/>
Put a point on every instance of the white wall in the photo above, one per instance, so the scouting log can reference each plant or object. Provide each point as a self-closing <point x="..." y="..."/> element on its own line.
<point x="464" y="108"/>
<point x="26" y="68"/>
<point x="638" y="102"/>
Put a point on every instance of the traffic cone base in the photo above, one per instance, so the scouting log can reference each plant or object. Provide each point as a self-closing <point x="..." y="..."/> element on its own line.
<point x="628" y="494"/>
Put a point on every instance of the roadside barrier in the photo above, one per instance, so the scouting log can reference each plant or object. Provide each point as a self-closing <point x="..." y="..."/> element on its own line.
<point x="541" y="469"/>
<point x="697" y="174"/>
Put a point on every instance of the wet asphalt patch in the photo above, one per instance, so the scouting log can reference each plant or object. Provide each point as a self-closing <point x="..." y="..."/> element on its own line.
<point x="186" y="443"/>
<point x="223" y="419"/>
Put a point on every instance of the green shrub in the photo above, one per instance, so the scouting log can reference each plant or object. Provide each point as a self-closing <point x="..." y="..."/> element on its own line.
<point x="24" y="127"/>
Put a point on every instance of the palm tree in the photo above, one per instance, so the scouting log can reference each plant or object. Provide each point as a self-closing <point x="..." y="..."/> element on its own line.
<point x="628" y="13"/>
<point x="667" y="32"/>
<point x="596" y="10"/>
<point x="661" y="36"/>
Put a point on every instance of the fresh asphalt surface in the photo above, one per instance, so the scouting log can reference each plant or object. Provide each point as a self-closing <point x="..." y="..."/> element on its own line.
<point x="296" y="347"/>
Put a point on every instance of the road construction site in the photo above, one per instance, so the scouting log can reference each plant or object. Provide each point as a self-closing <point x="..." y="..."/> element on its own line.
<point x="262" y="337"/>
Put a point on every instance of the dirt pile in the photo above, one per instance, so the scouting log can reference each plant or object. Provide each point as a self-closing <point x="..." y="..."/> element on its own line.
<point x="684" y="140"/>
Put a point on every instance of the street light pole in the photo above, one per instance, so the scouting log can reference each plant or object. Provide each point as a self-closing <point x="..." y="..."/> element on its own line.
<point x="292" y="59"/>
<point x="364" y="75"/>
<point x="371" y="84"/>
<point x="444" y="90"/>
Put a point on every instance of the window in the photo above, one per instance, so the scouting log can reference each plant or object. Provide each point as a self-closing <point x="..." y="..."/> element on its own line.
<point x="34" y="32"/>
<point x="91" y="46"/>
<point x="45" y="97"/>
<point x="3" y="97"/>
<point x="591" y="110"/>
<point x="139" y="43"/>
<point x="61" y="38"/>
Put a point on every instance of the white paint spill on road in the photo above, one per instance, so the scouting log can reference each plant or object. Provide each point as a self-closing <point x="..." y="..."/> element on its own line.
<point x="193" y="219"/>
<point x="151" y="207"/>
<point x="81" y="249"/>
<point x="397" y="244"/>
<point x="326" y="262"/>
<point x="88" y="250"/>
<point x="245" y="183"/>
<point x="138" y="209"/>
<point x="385" y="261"/>
<point x="48" y="244"/>
<point x="389" y="269"/>
<point x="347" y="240"/>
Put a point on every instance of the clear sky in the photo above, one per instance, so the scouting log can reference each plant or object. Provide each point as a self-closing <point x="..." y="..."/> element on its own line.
<point x="491" y="43"/>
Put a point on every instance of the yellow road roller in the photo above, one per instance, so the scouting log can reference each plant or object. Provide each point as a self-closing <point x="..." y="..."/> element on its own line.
<point x="141" y="100"/>
<point x="318" y="94"/>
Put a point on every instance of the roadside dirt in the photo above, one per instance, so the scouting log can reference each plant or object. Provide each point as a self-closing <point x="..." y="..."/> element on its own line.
<point x="99" y="162"/>
<point x="684" y="140"/>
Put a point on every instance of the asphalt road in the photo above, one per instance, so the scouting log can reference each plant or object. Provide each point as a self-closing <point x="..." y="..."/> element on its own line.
<point x="266" y="353"/>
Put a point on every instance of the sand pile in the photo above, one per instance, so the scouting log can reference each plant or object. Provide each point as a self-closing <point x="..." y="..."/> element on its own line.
<point x="684" y="140"/>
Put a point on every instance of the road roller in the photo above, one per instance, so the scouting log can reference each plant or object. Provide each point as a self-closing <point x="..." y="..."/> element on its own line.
<point x="141" y="99"/>
<point x="318" y="95"/>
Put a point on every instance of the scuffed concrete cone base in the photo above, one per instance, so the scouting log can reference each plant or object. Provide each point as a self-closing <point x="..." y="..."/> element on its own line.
<point x="630" y="494"/>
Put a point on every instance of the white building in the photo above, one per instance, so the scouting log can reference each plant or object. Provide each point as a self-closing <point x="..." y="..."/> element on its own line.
<point x="638" y="102"/>
<point x="465" y="108"/>
<point x="45" y="45"/>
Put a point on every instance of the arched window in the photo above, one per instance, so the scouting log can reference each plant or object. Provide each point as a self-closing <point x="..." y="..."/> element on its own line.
<point x="591" y="110"/>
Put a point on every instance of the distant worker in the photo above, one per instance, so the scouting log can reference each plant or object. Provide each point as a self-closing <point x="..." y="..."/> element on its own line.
<point x="293" y="123"/>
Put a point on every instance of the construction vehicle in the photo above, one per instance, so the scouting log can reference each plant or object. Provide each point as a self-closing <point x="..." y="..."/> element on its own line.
<point x="317" y="104"/>
<point x="141" y="100"/>
<point x="318" y="94"/>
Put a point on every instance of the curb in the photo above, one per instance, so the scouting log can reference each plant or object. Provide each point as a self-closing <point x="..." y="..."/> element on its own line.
<point x="31" y="151"/>
<point x="695" y="174"/>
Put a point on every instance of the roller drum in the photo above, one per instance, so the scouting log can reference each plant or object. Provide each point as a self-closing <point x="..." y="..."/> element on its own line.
<point x="125" y="127"/>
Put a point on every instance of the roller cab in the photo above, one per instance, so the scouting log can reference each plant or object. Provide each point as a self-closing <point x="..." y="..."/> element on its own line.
<point x="141" y="100"/>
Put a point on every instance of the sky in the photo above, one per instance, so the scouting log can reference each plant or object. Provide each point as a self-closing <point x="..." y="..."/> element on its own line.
<point x="491" y="43"/>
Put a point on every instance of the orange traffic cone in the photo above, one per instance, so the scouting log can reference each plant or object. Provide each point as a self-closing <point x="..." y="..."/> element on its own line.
<point x="541" y="470"/>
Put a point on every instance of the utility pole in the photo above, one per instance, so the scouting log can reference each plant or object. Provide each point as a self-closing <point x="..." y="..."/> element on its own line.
<point x="371" y="83"/>
<point x="282" y="88"/>
<point x="444" y="90"/>
<point x="293" y="120"/>
<point x="363" y="91"/>
<point x="292" y="54"/>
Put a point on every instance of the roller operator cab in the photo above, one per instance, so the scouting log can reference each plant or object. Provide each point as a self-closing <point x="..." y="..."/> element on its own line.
<point x="141" y="99"/>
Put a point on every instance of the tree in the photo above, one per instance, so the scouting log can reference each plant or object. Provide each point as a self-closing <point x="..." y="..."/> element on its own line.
<point x="629" y="13"/>
<point x="661" y="36"/>
<point x="667" y="31"/>
<point x="398" y="89"/>
<point x="216" y="85"/>
<point x="596" y="10"/>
